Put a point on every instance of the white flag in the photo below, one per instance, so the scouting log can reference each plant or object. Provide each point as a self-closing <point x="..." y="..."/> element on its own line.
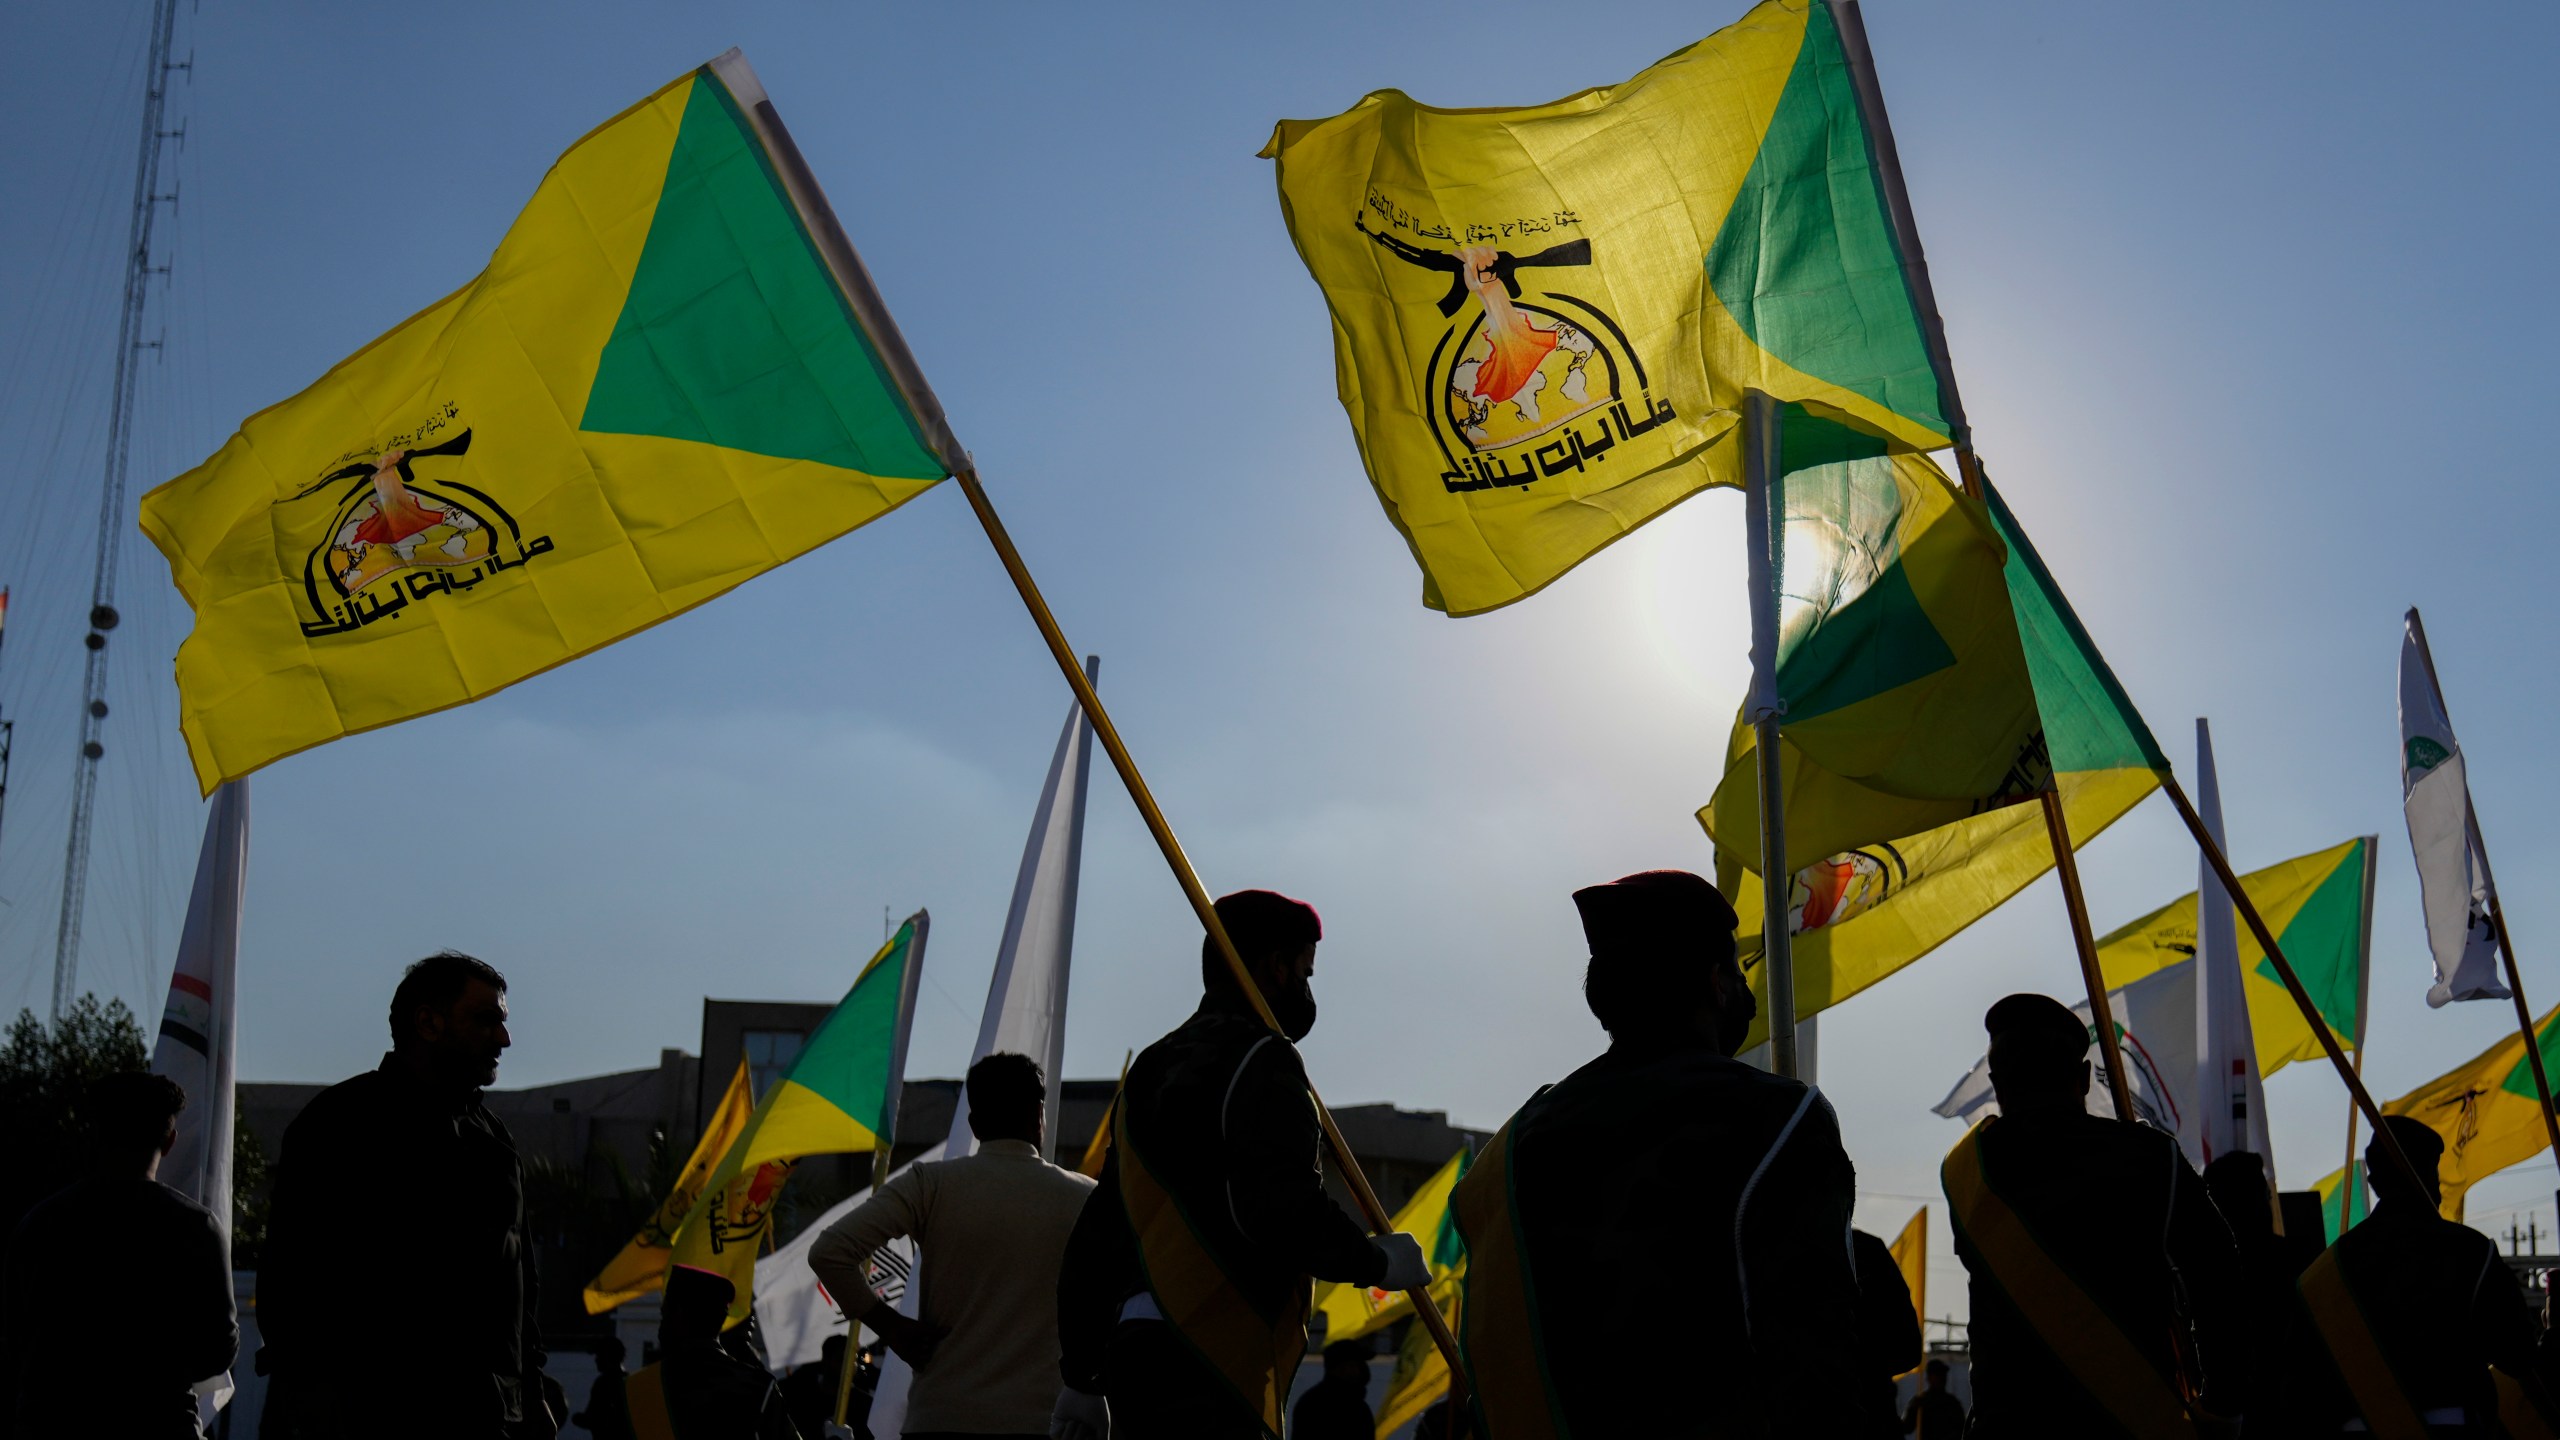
<point x="2160" y="1005"/>
<point x="2231" y="1103"/>
<point x="197" y="1033"/>
<point x="2454" y="889"/>
<point x="1026" y="1014"/>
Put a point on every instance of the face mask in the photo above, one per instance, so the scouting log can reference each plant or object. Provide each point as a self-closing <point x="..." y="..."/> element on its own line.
<point x="1295" y="1008"/>
<point x="1733" y="1023"/>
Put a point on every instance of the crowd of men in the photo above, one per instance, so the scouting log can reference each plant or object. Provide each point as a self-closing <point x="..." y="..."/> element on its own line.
<point x="1658" y="1244"/>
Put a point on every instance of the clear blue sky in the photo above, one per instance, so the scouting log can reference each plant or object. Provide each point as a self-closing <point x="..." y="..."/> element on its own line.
<point x="2251" y="306"/>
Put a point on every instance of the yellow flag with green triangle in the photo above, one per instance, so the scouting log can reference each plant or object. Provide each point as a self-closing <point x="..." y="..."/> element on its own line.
<point x="640" y="1267"/>
<point x="2320" y="906"/>
<point x="672" y="377"/>
<point x="1899" y="841"/>
<point x="1545" y="318"/>
<point x="2487" y="1111"/>
<point x="839" y="1097"/>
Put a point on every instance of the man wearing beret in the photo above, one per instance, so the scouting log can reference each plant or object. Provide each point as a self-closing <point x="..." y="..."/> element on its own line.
<point x="1183" y="1295"/>
<point x="1659" y="1242"/>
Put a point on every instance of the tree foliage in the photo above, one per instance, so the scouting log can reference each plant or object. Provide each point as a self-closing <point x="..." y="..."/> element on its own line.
<point x="45" y="1071"/>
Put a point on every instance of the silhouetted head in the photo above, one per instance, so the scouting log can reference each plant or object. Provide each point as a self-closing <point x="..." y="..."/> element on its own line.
<point x="132" y="1119"/>
<point x="2425" y="1149"/>
<point x="1937" y="1374"/>
<point x="695" y="1306"/>
<point x="1276" y="937"/>
<point x="831" y="1351"/>
<point x="610" y="1353"/>
<point x="1008" y="1098"/>
<point x="2039" y="1056"/>
<point x="2237" y="1181"/>
<point x="1347" y="1362"/>
<point x="1662" y="960"/>
<point x="449" y="1019"/>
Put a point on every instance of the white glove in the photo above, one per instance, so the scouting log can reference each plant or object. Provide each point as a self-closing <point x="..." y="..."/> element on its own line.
<point x="1079" y="1416"/>
<point x="1405" y="1267"/>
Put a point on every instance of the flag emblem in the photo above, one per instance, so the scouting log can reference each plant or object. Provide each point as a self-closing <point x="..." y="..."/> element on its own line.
<point x="396" y="536"/>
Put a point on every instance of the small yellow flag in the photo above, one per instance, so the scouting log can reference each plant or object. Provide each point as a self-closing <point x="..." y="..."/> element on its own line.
<point x="1911" y="1257"/>
<point x="641" y="1268"/>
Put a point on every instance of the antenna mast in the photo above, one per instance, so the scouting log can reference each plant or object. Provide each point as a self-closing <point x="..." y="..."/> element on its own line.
<point x="138" y="271"/>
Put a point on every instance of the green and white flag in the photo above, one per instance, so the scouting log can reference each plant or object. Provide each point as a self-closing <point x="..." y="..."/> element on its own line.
<point x="2454" y="889"/>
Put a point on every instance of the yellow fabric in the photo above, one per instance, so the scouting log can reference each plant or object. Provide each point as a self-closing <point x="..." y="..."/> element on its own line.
<point x="646" y="1393"/>
<point x="1497" y="1312"/>
<point x="1420" y="1379"/>
<point x="1645" y="173"/>
<point x="1256" y="1355"/>
<point x="1351" y="1311"/>
<point x="1861" y="916"/>
<point x="2386" y="1407"/>
<point x="2080" y="1334"/>
<point x="2486" y="1111"/>
<point x="641" y="1267"/>
<point x="607" y="534"/>
<point x="1911" y="1257"/>
<point x="2167" y="936"/>
<point x="1098" y="1150"/>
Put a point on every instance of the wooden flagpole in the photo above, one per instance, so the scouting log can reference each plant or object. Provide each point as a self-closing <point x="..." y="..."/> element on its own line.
<point x="933" y="428"/>
<point x="2497" y="912"/>
<point x="1887" y="160"/>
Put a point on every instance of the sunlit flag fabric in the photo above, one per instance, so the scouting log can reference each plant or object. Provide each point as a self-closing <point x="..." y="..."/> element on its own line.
<point x="1911" y="1256"/>
<point x="669" y="379"/>
<point x="2486" y="1110"/>
<point x="1926" y="836"/>
<point x="640" y="1267"/>
<point x="2343" y="1204"/>
<point x="2321" y="910"/>
<point x="1544" y="318"/>
<point x="840" y="1096"/>
<point x="1420" y="1378"/>
<point x="1351" y="1311"/>
<point x="2453" y="874"/>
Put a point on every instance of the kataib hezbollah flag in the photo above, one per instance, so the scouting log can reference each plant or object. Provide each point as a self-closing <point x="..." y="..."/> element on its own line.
<point x="2320" y="906"/>
<point x="1351" y="1311"/>
<point x="1890" y="862"/>
<point x="1544" y="319"/>
<point x="2485" y="1109"/>
<point x="672" y="377"/>
<point x="1421" y="1375"/>
<point x="840" y="1096"/>
<point x="641" y="1266"/>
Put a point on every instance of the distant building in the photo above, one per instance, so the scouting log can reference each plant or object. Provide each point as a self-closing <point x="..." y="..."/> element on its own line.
<point x="605" y="1147"/>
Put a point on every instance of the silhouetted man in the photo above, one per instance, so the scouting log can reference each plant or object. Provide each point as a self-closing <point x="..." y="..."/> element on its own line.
<point x="1658" y="1244"/>
<point x="1337" y="1406"/>
<point x="118" y="1296"/>
<point x="1211" y="1214"/>
<point x="396" y="1294"/>
<point x="2081" y="1234"/>
<point x="990" y="1231"/>
<point x="1888" y="1334"/>
<point x="697" y="1389"/>
<point x="1934" y="1413"/>
<point x="608" y="1412"/>
<point x="2414" y="1308"/>
<point x="810" y="1390"/>
<point x="2286" y="1365"/>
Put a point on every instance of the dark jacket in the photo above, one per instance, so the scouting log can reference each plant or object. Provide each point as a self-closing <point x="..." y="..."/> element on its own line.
<point x="117" y="1300"/>
<point x="2442" y="1306"/>
<point x="714" y="1395"/>
<point x="1888" y="1334"/>
<point x="2120" y="1211"/>
<point x="397" y="1263"/>
<point x="1226" y="1122"/>
<point x="1685" y="1224"/>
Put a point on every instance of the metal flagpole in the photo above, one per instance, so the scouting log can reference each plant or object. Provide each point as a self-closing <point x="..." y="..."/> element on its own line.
<point x="2497" y="912"/>
<point x="1764" y="524"/>
<point x="1886" y="159"/>
<point x="862" y="298"/>
<point x="2364" y="990"/>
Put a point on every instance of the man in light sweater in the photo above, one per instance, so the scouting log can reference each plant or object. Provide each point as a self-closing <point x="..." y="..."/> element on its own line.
<point x="991" y="1228"/>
